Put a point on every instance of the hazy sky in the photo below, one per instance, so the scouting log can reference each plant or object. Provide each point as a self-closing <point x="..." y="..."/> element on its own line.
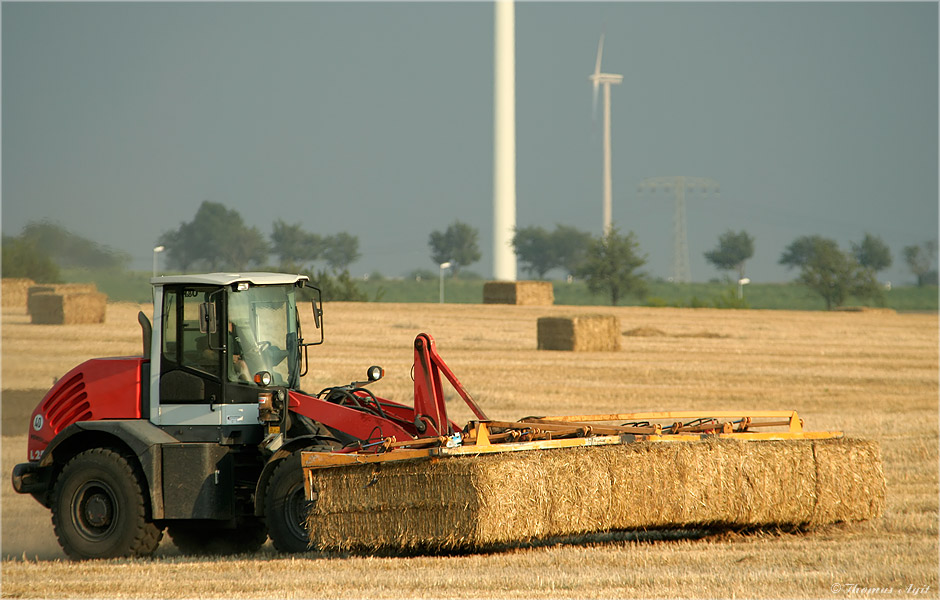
<point x="119" y="119"/>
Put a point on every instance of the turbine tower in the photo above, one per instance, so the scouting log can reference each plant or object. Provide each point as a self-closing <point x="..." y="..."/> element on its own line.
<point x="504" y="142"/>
<point x="681" y="271"/>
<point x="605" y="79"/>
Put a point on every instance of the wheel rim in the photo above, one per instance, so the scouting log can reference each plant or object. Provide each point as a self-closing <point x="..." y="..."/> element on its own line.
<point x="295" y="512"/>
<point x="95" y="510"/>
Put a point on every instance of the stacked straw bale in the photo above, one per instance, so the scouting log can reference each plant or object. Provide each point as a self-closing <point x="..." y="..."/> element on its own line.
<point x="523" y="293"/>
<point x="67" y="307"/>
<point x="14" y="292"/>
<point x="57" y="288"/>
<point x="582" y="333"/>
<point x="487" y="500"/>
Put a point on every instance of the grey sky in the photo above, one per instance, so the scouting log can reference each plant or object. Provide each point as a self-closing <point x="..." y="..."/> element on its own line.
<point x="119" y="119"/>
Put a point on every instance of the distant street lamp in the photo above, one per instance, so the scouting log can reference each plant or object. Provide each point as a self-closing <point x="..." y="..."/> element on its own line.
<point x="156" y="251"/>
<point x="741" y="283"/>
<point x="445" y="265"/>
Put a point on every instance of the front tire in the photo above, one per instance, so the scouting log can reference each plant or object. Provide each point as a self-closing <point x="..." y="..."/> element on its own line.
<point x="285" y="506"/>
<point x="99" y="508"/>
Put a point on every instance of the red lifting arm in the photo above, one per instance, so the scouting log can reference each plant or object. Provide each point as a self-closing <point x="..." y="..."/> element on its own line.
<point x="429" y="396"/>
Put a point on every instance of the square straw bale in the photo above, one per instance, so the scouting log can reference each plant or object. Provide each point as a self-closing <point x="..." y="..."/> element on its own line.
<point x="843" y="491"/>
<point x="582" y="333"/>
<point x="58" y="288"/>
<point x="515" y="497"/>
<point x="34" y="291"/>
<point x="68" y="309"/>
<point x="522" y="293"/>
<point x="14" y="291"/>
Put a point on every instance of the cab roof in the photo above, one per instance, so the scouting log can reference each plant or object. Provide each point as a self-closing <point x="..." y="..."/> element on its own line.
<point x="223" y="279"/>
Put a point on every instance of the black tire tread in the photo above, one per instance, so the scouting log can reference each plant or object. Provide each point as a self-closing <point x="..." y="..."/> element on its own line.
<point x="146" y="536"/>
<point x="282" y="541"/>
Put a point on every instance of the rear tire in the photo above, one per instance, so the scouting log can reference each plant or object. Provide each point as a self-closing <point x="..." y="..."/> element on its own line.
<point x="286" y="506"/>
<point x="207" y="539"/>
<point x="99" y="508"/>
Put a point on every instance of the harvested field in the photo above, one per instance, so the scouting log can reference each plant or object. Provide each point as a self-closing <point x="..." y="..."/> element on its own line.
<point x="873" y="375"/>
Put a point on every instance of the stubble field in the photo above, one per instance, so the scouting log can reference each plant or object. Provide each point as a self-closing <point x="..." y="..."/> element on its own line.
<point x="872" y="374"/>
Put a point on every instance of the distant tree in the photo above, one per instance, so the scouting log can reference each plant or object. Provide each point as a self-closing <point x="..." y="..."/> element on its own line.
<point x="540" y="251"/>
<point x="457" y="245"/>
<point x="535" y="249"/>
<point x="217" y="238"/>
<point x="571" y="247"/>
<point x="920" y="260"/>
<point x="733" y="250"/>
<point x="802" y="249"/>
<point x="338" y="287"/>
<point x="610" y="266"/>
<point x="68" y="249"/>
<point x="341" y="250"/>
<point x="24" y="258"/>
<point x="829" y="272"/>
<point x="872" y="253"/>
<point x="293" y="246"/>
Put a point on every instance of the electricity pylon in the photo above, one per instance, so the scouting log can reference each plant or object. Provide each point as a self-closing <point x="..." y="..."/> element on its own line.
<point x="681" y="272"/>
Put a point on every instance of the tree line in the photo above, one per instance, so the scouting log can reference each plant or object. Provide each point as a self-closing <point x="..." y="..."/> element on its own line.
<point x="610" y="264"/>
<point x="43" y="248"/>
<point x="217" y="238"/>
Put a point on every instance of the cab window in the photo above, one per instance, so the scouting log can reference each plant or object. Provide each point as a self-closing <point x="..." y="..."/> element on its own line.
<point x="187" y="340"/>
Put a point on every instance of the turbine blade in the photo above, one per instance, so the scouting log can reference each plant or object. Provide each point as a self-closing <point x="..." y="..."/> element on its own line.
<point x="596" y="77"/>
<point x="600" y="53"/>
<point x="594" y="104"/>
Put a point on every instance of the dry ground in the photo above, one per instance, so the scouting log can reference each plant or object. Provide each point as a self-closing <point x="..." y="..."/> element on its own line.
<point x="872" y="374"/>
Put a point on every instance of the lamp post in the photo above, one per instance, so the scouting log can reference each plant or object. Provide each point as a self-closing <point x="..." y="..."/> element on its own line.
<point x="156" y="250"/>
<point x="741" y="283"/>
<point x="445" y="265"/>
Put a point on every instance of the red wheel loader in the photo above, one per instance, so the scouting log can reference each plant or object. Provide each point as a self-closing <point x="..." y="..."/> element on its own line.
<point x="208" y="436"/>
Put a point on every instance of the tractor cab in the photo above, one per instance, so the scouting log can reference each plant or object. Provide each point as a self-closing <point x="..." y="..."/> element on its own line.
<point x="222" y="344"/>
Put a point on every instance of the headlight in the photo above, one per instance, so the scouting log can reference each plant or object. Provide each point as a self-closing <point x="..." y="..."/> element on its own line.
<point x="375" y="373"/>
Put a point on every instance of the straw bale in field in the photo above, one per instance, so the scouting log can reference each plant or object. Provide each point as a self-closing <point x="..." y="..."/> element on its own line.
<point x="524" y="293"/>
<point x="71" y="308"/>
<point x="57" y="288"/>
<point x="486" y="500"/>
<point x="644" y="332"/>
<point x="14" y="291"/>
<point x="866" y="309"/>
<point x="582" y="333"/>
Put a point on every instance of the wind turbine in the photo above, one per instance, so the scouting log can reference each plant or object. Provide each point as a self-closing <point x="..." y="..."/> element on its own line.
<point x="504" y="141"/>
<point x="605" y="79"/>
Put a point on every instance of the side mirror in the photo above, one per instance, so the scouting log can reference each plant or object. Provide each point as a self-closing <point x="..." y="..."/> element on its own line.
<point x="207" y="320"/>
<point x="317" y="304"/>
<point x="317" y="314"/>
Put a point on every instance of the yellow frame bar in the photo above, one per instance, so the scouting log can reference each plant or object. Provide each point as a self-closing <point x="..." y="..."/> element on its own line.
<point x="795" y="423"/>
<point x="479" y="442"/>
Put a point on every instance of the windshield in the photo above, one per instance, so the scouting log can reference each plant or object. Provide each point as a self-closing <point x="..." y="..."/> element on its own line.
<point x="263" y="334"/>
